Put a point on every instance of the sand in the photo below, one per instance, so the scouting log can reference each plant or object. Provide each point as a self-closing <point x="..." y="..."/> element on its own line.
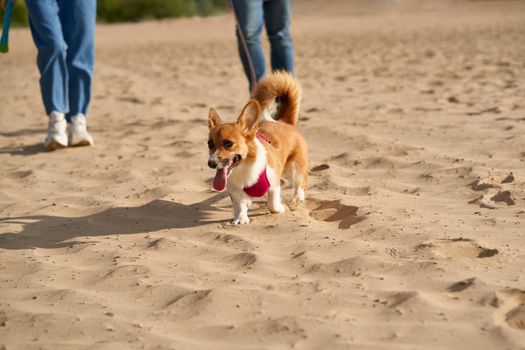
<point x="412" y="235"/>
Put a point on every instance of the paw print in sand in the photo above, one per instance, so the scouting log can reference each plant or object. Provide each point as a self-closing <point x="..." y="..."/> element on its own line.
<point x="495" y="192"/>
<point x="510" y="305"/>
<point x="334" y="211"/>
<point x="455" y="248"/>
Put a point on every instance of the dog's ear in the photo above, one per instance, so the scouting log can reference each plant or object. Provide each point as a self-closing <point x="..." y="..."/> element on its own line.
<point x="214" y="119"/>
<point x="249" y="118"/>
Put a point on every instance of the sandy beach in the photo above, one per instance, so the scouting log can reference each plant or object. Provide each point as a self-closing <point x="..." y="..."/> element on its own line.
<point x="412" y="235"/>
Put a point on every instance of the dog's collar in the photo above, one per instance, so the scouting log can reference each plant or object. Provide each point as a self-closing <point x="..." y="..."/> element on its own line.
<point x="263" y="138"/>
<point x="261" y="187"/>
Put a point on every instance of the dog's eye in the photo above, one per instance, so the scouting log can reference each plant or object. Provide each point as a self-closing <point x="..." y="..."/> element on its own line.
<point x="227" y="143"/>
<point x="210" y="144"/>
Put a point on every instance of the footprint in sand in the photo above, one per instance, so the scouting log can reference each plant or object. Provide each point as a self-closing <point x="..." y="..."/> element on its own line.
<point x="461" y="285"/>
<point x="398" y="299"/>
<point x="456" y="248"/>
<point x="511" y="307"/>
<point x="320" y="167"/>
<point x="503" y="197"/>
<point x="241" y="260"/>
<point x="162" y="244"/>
<point x="334" y="211"/>
<point x="495" y="195"/>
<point x="516" y="317"/>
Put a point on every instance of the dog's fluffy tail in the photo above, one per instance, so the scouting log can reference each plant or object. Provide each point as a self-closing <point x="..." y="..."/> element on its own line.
<point x="283" y="85"/>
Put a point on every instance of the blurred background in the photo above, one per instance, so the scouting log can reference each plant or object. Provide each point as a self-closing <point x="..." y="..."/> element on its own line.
<point x="136" y="10"/>
<point x="112" y="11"/>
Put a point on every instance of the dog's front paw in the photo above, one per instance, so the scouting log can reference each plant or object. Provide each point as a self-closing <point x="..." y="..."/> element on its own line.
<point x="277" y="208"/>
<point x="241" y="220"/>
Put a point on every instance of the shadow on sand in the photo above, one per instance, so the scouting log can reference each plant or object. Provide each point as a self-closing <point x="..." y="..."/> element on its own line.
<point x="27" y="150"/>
<point x="23" y="132"/>
<point x="24" y="150"/>
<point x="43" y="231"/>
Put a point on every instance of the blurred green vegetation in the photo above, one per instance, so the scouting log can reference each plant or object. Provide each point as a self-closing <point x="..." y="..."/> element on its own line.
<point x="19" y="18"/>
<point x="136" y="10"/>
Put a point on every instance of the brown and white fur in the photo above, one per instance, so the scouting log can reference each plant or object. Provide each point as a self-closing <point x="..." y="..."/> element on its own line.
<point x="238" y="154"/>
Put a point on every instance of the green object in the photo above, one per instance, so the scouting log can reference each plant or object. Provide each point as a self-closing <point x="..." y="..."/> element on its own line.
<point x="4" y="40"/>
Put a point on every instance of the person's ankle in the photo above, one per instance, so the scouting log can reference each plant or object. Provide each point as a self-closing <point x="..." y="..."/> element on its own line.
<point x="57" y="115"/>
<point x="78" y="117"/>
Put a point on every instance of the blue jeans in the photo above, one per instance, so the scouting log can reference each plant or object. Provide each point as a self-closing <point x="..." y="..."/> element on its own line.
<point x="276" y="15"/>
<point x="64" y="33"/>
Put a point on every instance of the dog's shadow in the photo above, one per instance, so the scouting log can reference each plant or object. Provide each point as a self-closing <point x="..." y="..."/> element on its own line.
<point x="42" y="231"/>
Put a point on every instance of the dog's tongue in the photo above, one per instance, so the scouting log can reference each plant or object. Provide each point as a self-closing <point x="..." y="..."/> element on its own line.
<point x="220" y="180"/>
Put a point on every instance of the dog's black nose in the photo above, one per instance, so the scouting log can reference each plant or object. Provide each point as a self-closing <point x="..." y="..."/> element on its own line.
<point x="212" y="164"/>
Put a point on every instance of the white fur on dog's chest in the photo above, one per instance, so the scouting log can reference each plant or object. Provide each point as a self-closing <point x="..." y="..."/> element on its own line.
<point x="246" y="175"/>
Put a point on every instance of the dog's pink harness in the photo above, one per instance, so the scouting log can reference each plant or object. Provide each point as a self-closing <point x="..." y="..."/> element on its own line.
<point x="261" y="187"/>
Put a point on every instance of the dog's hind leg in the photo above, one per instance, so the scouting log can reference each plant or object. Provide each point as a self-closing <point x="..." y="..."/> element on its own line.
<point x="298" y="167"/>
<point x="299" y="186"/>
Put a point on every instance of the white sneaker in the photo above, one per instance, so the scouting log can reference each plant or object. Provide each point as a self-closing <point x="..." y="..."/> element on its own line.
<point x="56" y="132"/>
<point x="78" y="134"/>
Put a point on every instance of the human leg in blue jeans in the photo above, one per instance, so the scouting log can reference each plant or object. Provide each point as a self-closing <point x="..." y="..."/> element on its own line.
<point x="63" y="32"/>
<point x="276" y="16"/>
<point x="78" y="24"/>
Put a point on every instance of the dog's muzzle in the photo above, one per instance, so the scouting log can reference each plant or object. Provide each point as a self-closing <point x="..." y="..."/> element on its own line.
<point x="212" y="163"/>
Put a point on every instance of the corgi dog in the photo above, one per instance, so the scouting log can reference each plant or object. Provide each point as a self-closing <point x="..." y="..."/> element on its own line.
<point x="253" y="153"/>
